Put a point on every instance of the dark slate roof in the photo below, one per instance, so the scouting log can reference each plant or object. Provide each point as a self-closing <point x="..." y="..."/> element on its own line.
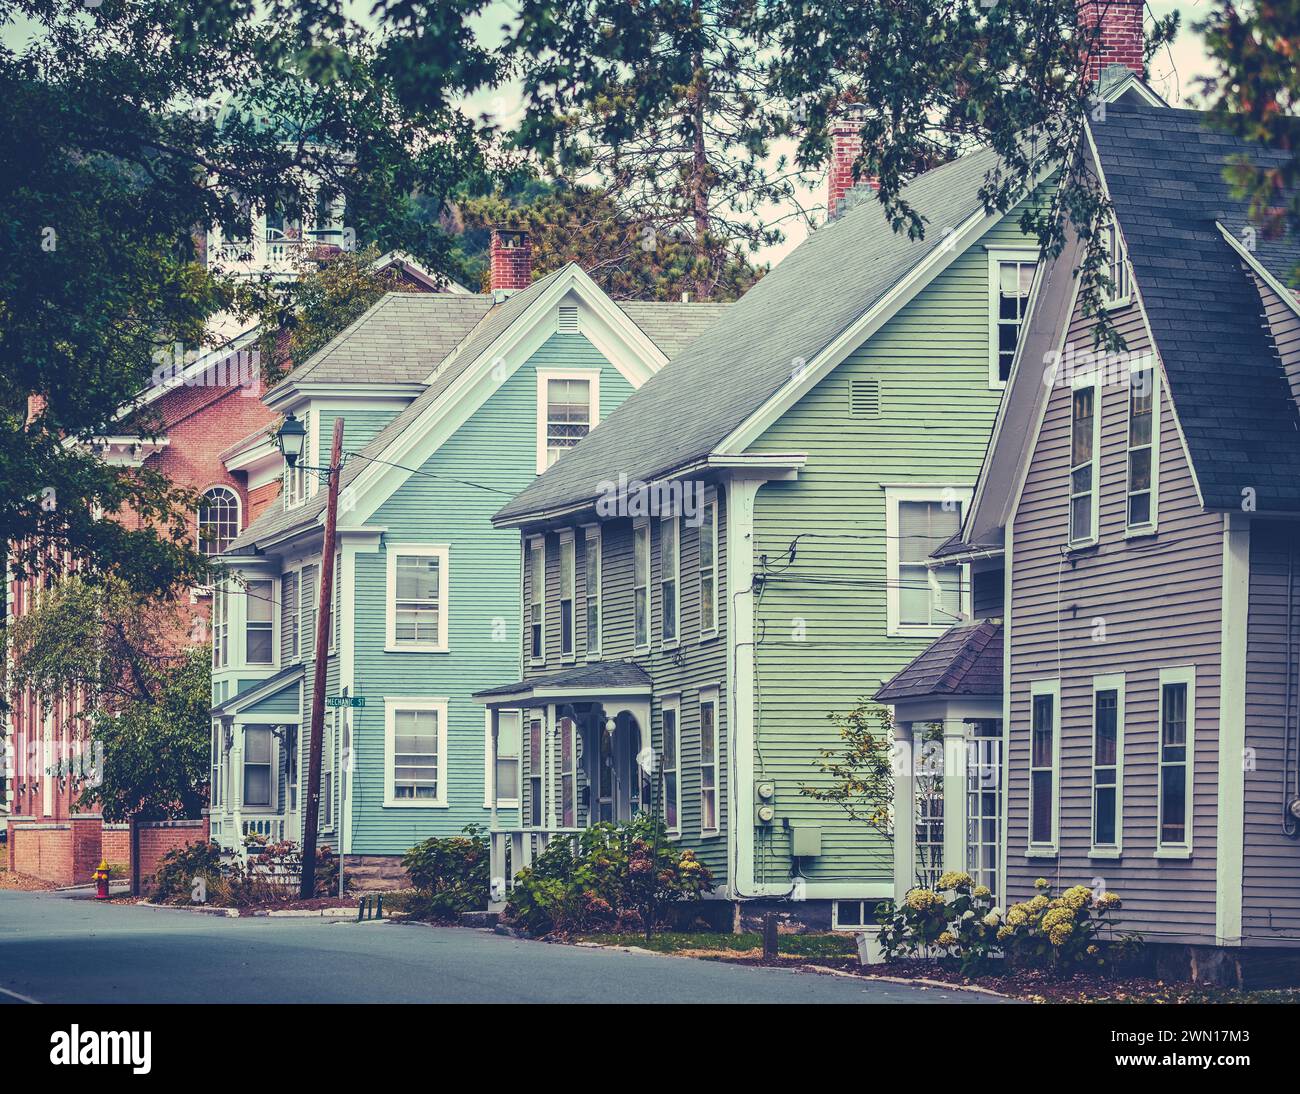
<point x="1164" y="169"/>
<point x="792" y="314"/>
<point x="389" y="344"/>
<point x="595" y="674"/>
<point x="398" y="340"/>
<point x="966" y="660"/>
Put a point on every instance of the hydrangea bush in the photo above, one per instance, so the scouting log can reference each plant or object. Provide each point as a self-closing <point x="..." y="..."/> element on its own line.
<point x="957" y="920"/>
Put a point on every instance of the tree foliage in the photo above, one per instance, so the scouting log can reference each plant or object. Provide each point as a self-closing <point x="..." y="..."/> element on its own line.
<point x="111" y="157"/>
<point x="859" y="775"/>
<point x="666" y="105"/>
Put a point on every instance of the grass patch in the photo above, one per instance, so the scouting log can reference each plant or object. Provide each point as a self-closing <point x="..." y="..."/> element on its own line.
<point x="793" y="945"/>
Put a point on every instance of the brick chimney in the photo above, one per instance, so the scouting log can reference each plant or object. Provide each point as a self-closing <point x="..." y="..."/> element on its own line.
<point x="511" y="255"/>
<point x="846" y="144"/>
<point x="1120" y="39"/>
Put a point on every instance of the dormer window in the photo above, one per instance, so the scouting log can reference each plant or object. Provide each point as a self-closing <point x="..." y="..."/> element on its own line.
<point x="293" y="486"/>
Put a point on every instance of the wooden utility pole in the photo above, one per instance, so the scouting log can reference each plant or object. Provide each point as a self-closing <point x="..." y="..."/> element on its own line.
<point x="321" y="654"/>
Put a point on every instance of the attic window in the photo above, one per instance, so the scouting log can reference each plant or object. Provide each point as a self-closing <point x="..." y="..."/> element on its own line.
<point x="864" y="398"/>
<point x="1116" y="265"/>
<point x="568" y="320"/>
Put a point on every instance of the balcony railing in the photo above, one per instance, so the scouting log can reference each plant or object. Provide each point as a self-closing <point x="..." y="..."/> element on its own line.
<point x="272" y="251"/>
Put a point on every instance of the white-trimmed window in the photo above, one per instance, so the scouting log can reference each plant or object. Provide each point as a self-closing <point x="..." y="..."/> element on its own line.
<point x="417" y="597"/>
<point x="1143" y="445"/>
<point x="568" y="595"/>
<point x="591" y="566"/>
<point x="708" y="568"/>
<point x="922" y="599"/>
<point x="1177" y="740"/>
<point x="537" y="600"/>
<point x="289" y="604"/>
<point x="293" y="485"/>
<point x="641" y="583"/>
<point x="568" y="773"/>
<point x="258" y="770"/>
<point x="709" y="762"/>
<point x="415" y="750"/>
<point x="568" y="402"/>
<point x="1107" y="764"/>
<point x="218" y="520"/>
<point x="1085" y="442"/>
<point x="671" y="766"/>
<point x="259" y="608"/>
<point x="1011" y="277"/>
<point x="1120" y="291"/>
<point x="503" y="765"/>
<point x="308" y="588"/>
<point x="220" y="626"/>
<point x="536" y="769"/>
<point x="670" y="578"/>
<point x="851" y="915"/>
<point x="1044" y="764"/>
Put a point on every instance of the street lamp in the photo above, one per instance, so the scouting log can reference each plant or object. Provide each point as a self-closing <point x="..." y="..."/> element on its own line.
<point x="291" y="438"/>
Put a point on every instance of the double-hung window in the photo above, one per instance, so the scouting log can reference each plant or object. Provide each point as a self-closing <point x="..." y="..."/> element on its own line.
<point x="1177" y="735"/>
<point x="567" y="401"/>
<point x="220" y="626"/>
<point x="669" y="577"/>
<point x="504" y="778"/>
<point x="922" y="598"/>
<point x="591" y="567"/>
<point x="1143" y="445"/>
<point x="1085" y="432"/>
<point x="568" y="584"/>
<point x="537" y="600"/>
<point x="568" y="772"/>
<point x="259" y="609"/>
<point x="671" y="784"/>
<point x="641" y="583"/>
<point x="293" y="486"/>
<point x="1107" y="764"/>
<point x="708" y="762"/>
<point x="257" y="767"/>
<point x="1044" y="764"/>
<point x="417" y="597"/>
<point x="708" y="569"/>
<point x="415" y="751"/>
<point x="536" y="767"/>
<point x="1011" y="276"/>
<point x="1120" y="290"/>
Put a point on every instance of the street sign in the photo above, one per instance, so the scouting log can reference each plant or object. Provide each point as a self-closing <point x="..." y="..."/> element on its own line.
<point x="345" y="700"/>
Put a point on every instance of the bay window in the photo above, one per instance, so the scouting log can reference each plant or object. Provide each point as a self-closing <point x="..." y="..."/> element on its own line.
<point x="258" y="606"/>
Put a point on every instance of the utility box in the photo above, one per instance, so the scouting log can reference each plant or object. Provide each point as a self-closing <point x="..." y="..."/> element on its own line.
<point x="805" y="839"/>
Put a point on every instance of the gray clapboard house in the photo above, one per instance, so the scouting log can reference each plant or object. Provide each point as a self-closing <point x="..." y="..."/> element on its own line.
<point x="1140" y="513"/>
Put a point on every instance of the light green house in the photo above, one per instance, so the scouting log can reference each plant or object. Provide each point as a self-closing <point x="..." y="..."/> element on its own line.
<point x="451" y="404"/>
<point x="744" y="540"/>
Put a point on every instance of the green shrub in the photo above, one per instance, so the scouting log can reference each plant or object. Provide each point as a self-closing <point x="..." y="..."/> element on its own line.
<point x="174" y="878"/>
<point x="450" y="875"/>
<point x="620" y="876"/>
<point x="1063" y="933"/>
<point x="955" y="919"/>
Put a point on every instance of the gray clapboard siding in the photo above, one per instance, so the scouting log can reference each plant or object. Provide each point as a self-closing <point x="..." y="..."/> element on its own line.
<point x="1271" y="865"/>
<point x="1159" y="599"/>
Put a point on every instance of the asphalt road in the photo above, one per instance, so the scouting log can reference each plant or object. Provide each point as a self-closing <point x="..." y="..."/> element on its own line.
<point x="54" y="949"/>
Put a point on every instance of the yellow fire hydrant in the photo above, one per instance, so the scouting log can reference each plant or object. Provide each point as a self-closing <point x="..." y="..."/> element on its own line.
<point x="101" y="880"/>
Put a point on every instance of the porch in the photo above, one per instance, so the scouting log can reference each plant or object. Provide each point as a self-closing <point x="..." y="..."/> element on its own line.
<point x="567" y="750"/>
<point x="949" y="802"/>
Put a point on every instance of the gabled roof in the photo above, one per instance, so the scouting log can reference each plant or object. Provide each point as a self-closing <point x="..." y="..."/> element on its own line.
<point x="801" y="307"/>
<point x="1164" y="172"/>
<point x="593" y="676"/>
<point x="260" y="691"/>
<point x="965" y="660"/>
<point x="398" y="328"/>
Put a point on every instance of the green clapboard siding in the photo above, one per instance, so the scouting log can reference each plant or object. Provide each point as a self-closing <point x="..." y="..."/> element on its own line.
<point x="496" y="452"/>
<point x="822" y="619"/>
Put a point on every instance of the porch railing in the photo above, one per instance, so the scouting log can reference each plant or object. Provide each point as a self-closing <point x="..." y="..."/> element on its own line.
<point x="514" y="849"/>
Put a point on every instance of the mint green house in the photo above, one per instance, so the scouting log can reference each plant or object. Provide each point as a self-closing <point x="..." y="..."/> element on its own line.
<point x="451" y="404"/>
<point x="739" y="551"/>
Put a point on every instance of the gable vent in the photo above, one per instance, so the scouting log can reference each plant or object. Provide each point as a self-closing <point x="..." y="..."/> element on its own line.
<point x="568" y="321"/>
<point x="864" y="398"/>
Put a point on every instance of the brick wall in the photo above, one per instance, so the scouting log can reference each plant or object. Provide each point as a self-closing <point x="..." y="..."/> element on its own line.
<point x="64" y="853"/>
<point x="116" y="843"/>
<point x="159" y="837"/>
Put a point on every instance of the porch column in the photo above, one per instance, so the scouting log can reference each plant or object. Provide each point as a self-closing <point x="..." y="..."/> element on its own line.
<point x="236" y="782"/>
<point x="954" y="794"/>
<point x="904" y="760"/>
<point x="550" y="746"/>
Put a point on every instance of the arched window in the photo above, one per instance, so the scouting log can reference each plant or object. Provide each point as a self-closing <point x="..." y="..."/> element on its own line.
<point x="218" y="520"/>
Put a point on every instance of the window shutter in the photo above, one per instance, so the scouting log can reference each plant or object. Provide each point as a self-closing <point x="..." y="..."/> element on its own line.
<point x="864" y="398"/>
<point x="568" y="320"/>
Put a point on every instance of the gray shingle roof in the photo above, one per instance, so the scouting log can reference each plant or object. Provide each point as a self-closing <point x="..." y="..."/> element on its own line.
<point x="792" y="314"/>
<point x="388" y="344"/>
<point x="1164" y="169"/>
<point x="966" y="660"/>
<point x="398" y="340"/>
<point x="596" y="674"/>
